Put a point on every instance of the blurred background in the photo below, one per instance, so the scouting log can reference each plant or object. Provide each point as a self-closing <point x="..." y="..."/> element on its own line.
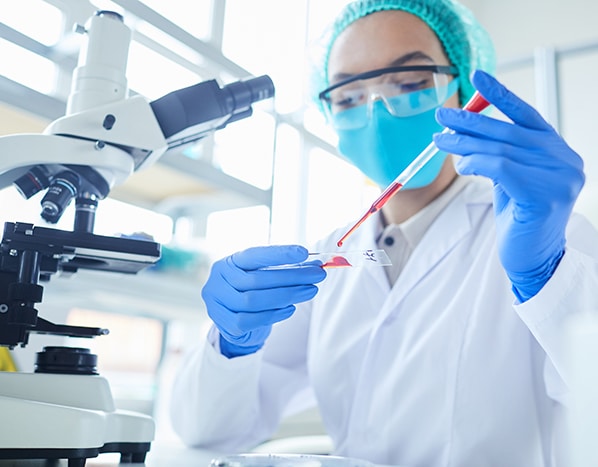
<point x="271" y="178"/>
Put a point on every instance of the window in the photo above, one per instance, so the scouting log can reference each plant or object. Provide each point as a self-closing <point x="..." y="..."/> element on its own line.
<point x="34" y="71"/>
<point x="45" y="26"/>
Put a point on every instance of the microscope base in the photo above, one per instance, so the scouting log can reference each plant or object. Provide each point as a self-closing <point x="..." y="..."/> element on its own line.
<point x="57" y="416"/>
<point x="130" y="453"/>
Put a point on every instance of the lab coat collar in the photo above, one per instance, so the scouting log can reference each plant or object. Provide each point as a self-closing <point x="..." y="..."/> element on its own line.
<point x="443" y="234"/>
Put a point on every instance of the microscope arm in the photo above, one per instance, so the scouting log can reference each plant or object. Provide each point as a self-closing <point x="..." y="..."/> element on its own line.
<point x="104" y="137"/>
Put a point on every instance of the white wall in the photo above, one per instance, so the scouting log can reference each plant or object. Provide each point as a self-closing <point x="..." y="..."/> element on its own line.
<point x="517" y="28"/>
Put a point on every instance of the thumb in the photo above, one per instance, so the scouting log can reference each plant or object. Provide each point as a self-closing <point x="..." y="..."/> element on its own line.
<point x="263" y="256"/>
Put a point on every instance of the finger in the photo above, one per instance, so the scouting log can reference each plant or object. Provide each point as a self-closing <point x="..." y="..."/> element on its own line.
<point x="247" y="322"/>
<point x="240" y="338"/>
<point x="509" y="175"/>
<point x="527" y="186"/>
<point x="242" y="323"/>
<point x="494" y="168"/>
<point x="550" y="154"/>
<point x="268" y="279"/>
<point x="259" y="300"/>
<point x="263" y="256"/>
<point x="488" y="128"/>
<point x="508" y="103"/>
<point x="465" y="145"/>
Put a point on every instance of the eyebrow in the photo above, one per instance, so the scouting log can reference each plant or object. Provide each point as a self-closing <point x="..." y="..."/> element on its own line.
<point x="402" y="60"/>
<point x="410" y="57"/>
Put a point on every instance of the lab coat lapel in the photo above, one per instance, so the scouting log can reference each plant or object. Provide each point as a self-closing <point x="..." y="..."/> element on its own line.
<point x="447" y="230"/>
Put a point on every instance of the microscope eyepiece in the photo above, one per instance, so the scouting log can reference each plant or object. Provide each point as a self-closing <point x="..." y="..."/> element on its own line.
<point x="241" y="94"/>
<point x="202" y="108"/>
<point x="62" y="190"/>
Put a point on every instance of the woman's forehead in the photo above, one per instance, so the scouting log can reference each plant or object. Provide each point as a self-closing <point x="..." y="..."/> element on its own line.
<point x="379" y="39"/>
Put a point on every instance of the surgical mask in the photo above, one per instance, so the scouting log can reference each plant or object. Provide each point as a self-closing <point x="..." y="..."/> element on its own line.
<point x="383" y="147"/>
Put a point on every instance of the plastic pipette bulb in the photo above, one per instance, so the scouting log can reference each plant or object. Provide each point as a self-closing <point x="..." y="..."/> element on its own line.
<point x="476" y="104"/>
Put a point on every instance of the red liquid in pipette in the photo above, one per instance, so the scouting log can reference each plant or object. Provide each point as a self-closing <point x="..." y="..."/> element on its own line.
<point x="381" y="201"/>
<point x="476" y="104"/>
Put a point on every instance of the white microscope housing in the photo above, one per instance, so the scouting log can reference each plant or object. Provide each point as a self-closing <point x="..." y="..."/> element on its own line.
<point x="65" y="410"/>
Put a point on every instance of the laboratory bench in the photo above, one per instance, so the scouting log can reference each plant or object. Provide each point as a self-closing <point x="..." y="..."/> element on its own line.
<point x="170" y="452"/>
<point x="173" y="453"/>
<point x="160" y="455"/>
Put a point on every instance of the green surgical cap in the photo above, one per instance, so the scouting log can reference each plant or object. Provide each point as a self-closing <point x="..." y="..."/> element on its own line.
<point x="466" y="43"/>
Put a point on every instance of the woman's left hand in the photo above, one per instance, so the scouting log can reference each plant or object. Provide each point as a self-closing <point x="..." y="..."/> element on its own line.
<point x="537" y="179"/>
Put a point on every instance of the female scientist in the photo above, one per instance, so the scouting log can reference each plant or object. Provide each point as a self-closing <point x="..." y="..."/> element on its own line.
<point x="454" y="355"/>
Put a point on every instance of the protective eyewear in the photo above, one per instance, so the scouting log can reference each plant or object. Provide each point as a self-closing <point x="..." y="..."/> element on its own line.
<point x="403" y="90"/>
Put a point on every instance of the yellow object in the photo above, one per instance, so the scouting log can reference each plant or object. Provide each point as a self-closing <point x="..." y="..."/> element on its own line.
<point x="6" y="361"/>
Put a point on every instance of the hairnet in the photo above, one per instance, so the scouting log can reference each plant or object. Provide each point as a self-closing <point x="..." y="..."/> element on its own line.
<point x="466" y="43"/>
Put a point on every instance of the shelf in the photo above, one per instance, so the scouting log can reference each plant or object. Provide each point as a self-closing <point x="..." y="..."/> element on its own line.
<point x="177" y="184"/>
<point x="150" y="294"/>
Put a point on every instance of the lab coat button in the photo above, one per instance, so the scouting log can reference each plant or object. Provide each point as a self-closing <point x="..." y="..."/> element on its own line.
<point x="389" y="241"/>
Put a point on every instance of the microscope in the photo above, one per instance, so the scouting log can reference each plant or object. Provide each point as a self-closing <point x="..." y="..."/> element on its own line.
<point x="65" y="409"/>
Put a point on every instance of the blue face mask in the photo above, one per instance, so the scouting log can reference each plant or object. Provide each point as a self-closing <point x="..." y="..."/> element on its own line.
<point x="387" y="144"/>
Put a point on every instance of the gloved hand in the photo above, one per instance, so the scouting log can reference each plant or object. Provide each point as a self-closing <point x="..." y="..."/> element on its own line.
<point x="244" y="300"/>
<point x="537" y="178"/>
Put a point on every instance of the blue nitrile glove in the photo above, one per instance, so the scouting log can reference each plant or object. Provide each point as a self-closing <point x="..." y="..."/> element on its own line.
<point x="537" y="178"/>
<point x="244" y="301"/>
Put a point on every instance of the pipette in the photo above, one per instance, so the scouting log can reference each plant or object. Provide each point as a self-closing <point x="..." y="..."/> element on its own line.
<point x="476" y="104"/>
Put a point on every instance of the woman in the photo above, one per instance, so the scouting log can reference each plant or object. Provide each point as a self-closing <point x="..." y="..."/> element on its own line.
<point x="454" y="355"/>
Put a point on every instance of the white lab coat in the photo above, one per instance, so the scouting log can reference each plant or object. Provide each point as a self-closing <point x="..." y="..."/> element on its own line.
<point x="444" y="369"/>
